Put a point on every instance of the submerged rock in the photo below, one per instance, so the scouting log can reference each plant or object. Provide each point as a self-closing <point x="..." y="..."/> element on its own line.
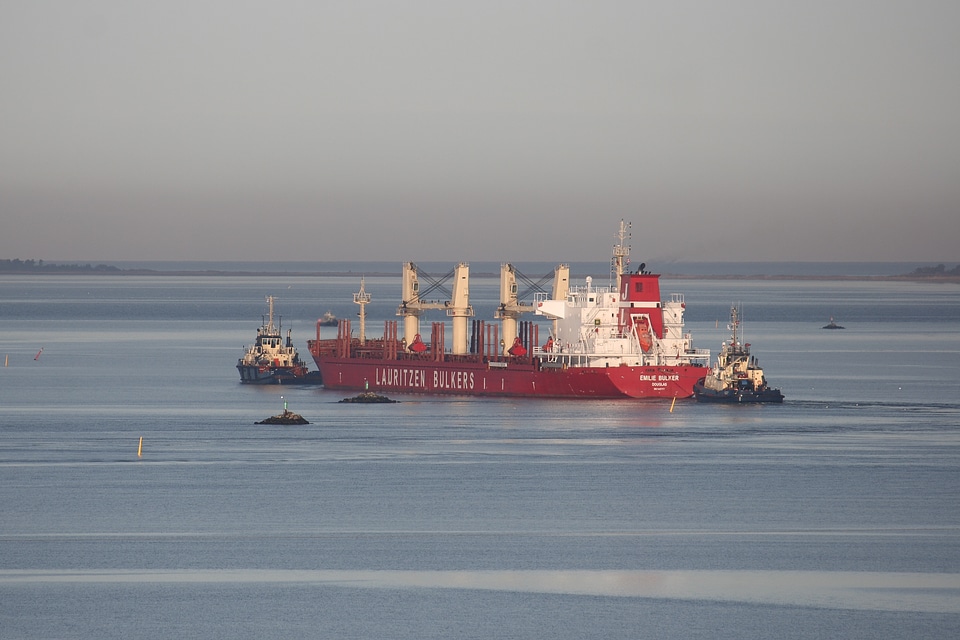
<point x="369" y="397"/>
<point x="287" y="417"/>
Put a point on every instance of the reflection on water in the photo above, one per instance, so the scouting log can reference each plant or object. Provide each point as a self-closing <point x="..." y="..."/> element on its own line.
<point x="872" y="591"/>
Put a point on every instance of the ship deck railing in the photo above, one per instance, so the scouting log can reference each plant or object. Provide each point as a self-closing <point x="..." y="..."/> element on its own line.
<point x="554" y="359"/>
<point x="584" y="295"/>
<point x="699" y="354"/>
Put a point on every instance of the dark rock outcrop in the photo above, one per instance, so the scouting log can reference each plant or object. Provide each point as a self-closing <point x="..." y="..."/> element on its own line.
<point x="287" y="417"/>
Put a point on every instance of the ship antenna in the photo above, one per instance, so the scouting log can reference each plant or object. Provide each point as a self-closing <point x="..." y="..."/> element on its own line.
<point x="270" y="327"/>
<point x="362" y="298"/>
<point x="740" y="314"/>
<point x="621" y="252"/>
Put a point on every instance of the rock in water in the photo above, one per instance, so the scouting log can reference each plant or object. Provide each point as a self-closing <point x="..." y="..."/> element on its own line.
<point x="368" y="397"/>
<point x="287" y="417"/>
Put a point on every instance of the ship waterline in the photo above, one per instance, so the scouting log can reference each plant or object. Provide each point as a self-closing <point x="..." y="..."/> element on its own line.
<point x="514" y="379"/>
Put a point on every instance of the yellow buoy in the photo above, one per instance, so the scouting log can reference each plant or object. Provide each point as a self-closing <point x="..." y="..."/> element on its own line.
<point x="140" y="448"/>
<point x="673" y="403"/>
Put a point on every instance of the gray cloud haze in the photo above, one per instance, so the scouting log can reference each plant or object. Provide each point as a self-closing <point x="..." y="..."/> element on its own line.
<point x="479" y="130"/>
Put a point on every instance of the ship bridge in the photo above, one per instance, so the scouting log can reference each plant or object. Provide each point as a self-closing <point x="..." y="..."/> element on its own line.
<point x="610" y="326"/>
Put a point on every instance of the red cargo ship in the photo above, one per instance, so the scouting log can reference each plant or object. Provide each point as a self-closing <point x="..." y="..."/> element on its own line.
<point x="620" y="341"/>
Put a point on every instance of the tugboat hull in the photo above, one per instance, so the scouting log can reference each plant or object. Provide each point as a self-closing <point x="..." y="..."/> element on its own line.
<point x="251" y="374"/>
<point x="736" y="396"/>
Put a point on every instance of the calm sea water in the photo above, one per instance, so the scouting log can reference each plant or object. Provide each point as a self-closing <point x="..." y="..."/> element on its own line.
<point x="833" y="515"/>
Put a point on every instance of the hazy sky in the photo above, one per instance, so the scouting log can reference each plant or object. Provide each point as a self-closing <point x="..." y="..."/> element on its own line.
<point x="479" y="130"/>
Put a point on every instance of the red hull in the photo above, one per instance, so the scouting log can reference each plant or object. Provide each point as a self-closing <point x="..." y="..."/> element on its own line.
<point x="477" y="378"/>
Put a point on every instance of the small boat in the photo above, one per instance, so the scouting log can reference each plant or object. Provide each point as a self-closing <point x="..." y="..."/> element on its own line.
<point x="327" y="320"/>
<point x="832" y="325"/>
<point x="737" y="376"/>
<point x="271" y="359"/>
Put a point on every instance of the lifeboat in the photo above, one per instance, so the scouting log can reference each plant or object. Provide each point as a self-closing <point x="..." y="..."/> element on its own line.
<point x="644" y="335"/>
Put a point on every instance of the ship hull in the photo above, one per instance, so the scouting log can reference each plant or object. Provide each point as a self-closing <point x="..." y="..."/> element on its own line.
<point x="475" y="378"/>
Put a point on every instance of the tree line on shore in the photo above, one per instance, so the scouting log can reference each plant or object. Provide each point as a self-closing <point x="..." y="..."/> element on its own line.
<point x="39" y="265"/>
<point x="937" y="271"/>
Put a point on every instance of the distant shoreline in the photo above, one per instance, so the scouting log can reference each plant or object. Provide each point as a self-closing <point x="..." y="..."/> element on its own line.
<point x="53" y="271"/>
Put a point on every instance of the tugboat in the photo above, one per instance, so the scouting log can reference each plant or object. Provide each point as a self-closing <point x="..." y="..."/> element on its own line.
<point x="737" y="376"/>
<point x="271" y="359"/>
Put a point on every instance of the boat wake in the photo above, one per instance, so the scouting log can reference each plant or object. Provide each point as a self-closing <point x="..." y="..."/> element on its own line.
<point x="852" y="590"/>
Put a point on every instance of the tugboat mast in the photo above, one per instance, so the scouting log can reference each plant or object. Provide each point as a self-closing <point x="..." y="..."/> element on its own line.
<point x="734" y="327"/>
<point x="737" y="346"/>
<point x="270" y="328"/>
